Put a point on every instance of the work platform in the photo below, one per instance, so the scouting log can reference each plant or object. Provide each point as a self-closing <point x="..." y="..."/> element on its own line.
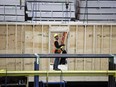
<point x="58" y="73"/>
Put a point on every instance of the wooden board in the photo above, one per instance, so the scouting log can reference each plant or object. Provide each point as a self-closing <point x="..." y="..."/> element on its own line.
<point x="45" y="47"/>
<point x="18" y="44"/>
<point x="80" y="47"/>
<point x="2" y="45"/>
<point x="3" y="37"/>
<point x="113" y="43"/>
<point x="72" y="48"/>
<point x="11" y="63"/>
<point x="37" y="39"/>
<point x="29" y="63"/>
<point x="106" y="46"/>
<point x="89" y="46"/>
<point x="98" y="38"/>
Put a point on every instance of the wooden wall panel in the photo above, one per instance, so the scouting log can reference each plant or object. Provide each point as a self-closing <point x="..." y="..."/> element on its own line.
<point x="89" y="46"/>
<point x="72" y="48"/>
<point x="106" y="46"/>
<point x="18" y="44"/>
<point x="29" y="32"/>
<point x="106" y="39"/>
<point x="2" y="45"/>
<point x="88" y="39"/>
<point x="113" y="44"/>
<point x="11" y="63"/>
<point x="80" y="41"/>
<point x="98" y="35"/>
<point x="80" y="46"/>
<point x="3" y="37"/>
<point x="37" y="39"/>
<point x="45" y="38"/>
<point x="45" y="47"/>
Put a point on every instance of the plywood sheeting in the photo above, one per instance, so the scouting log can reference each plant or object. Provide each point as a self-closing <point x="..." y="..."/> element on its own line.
<point x="83" y="39"/>
<point x="106" y="46"/>
<point x="18" y="44"/>
<point x="11" y="63"/>
<point x="29" y="35"/>
<point x="80" y="47"/>
<point x="89" y="39"/>
<point x="80" y="40"/>
<point x="113" y="39"/>
<point x="3" y="37"/>
<point x="72" y="47"/>
<point x="3" y="45"/>
<point x="37" y="39"/>
<point x="45" y="47"/>
<point x="98" y="39"/>
<point x="88" y="45"/>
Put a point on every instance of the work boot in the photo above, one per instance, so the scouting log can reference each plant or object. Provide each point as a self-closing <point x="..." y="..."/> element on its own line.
<point x="57" y="69"/>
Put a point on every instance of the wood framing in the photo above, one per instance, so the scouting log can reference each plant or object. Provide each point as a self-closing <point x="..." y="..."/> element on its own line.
<point x="35" y="38"/>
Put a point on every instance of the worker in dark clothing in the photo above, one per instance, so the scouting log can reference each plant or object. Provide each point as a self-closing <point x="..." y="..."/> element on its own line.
<point x="57" y="51"/>
<point x="63" y="61"/>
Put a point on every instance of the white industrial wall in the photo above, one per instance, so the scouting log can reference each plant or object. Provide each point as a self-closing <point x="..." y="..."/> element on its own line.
<point x="11" y="10"/>
<point x="98" y="10"/>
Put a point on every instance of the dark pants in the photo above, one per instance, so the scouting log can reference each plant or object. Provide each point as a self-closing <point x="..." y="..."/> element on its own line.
<point x="56" y="62"/>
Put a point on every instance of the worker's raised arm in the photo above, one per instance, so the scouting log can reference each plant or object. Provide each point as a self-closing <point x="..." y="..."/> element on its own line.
<point x="56" y="44"/>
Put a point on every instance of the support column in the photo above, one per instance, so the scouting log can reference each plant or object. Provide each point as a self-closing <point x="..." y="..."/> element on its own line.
<point x="36" y="67"/>
<point x="111" y="78"/>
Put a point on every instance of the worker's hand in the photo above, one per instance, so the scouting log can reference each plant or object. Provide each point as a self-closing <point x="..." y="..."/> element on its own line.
<point x="62" y="48"/>
<point x="63" y="44"/>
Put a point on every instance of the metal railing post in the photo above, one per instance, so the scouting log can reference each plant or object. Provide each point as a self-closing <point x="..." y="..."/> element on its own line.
<point x="111" y="78"/>
<point x="36" y="67"/>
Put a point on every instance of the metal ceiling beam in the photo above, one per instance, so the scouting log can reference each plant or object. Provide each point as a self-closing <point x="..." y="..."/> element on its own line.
<point x="44" y="1"/>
